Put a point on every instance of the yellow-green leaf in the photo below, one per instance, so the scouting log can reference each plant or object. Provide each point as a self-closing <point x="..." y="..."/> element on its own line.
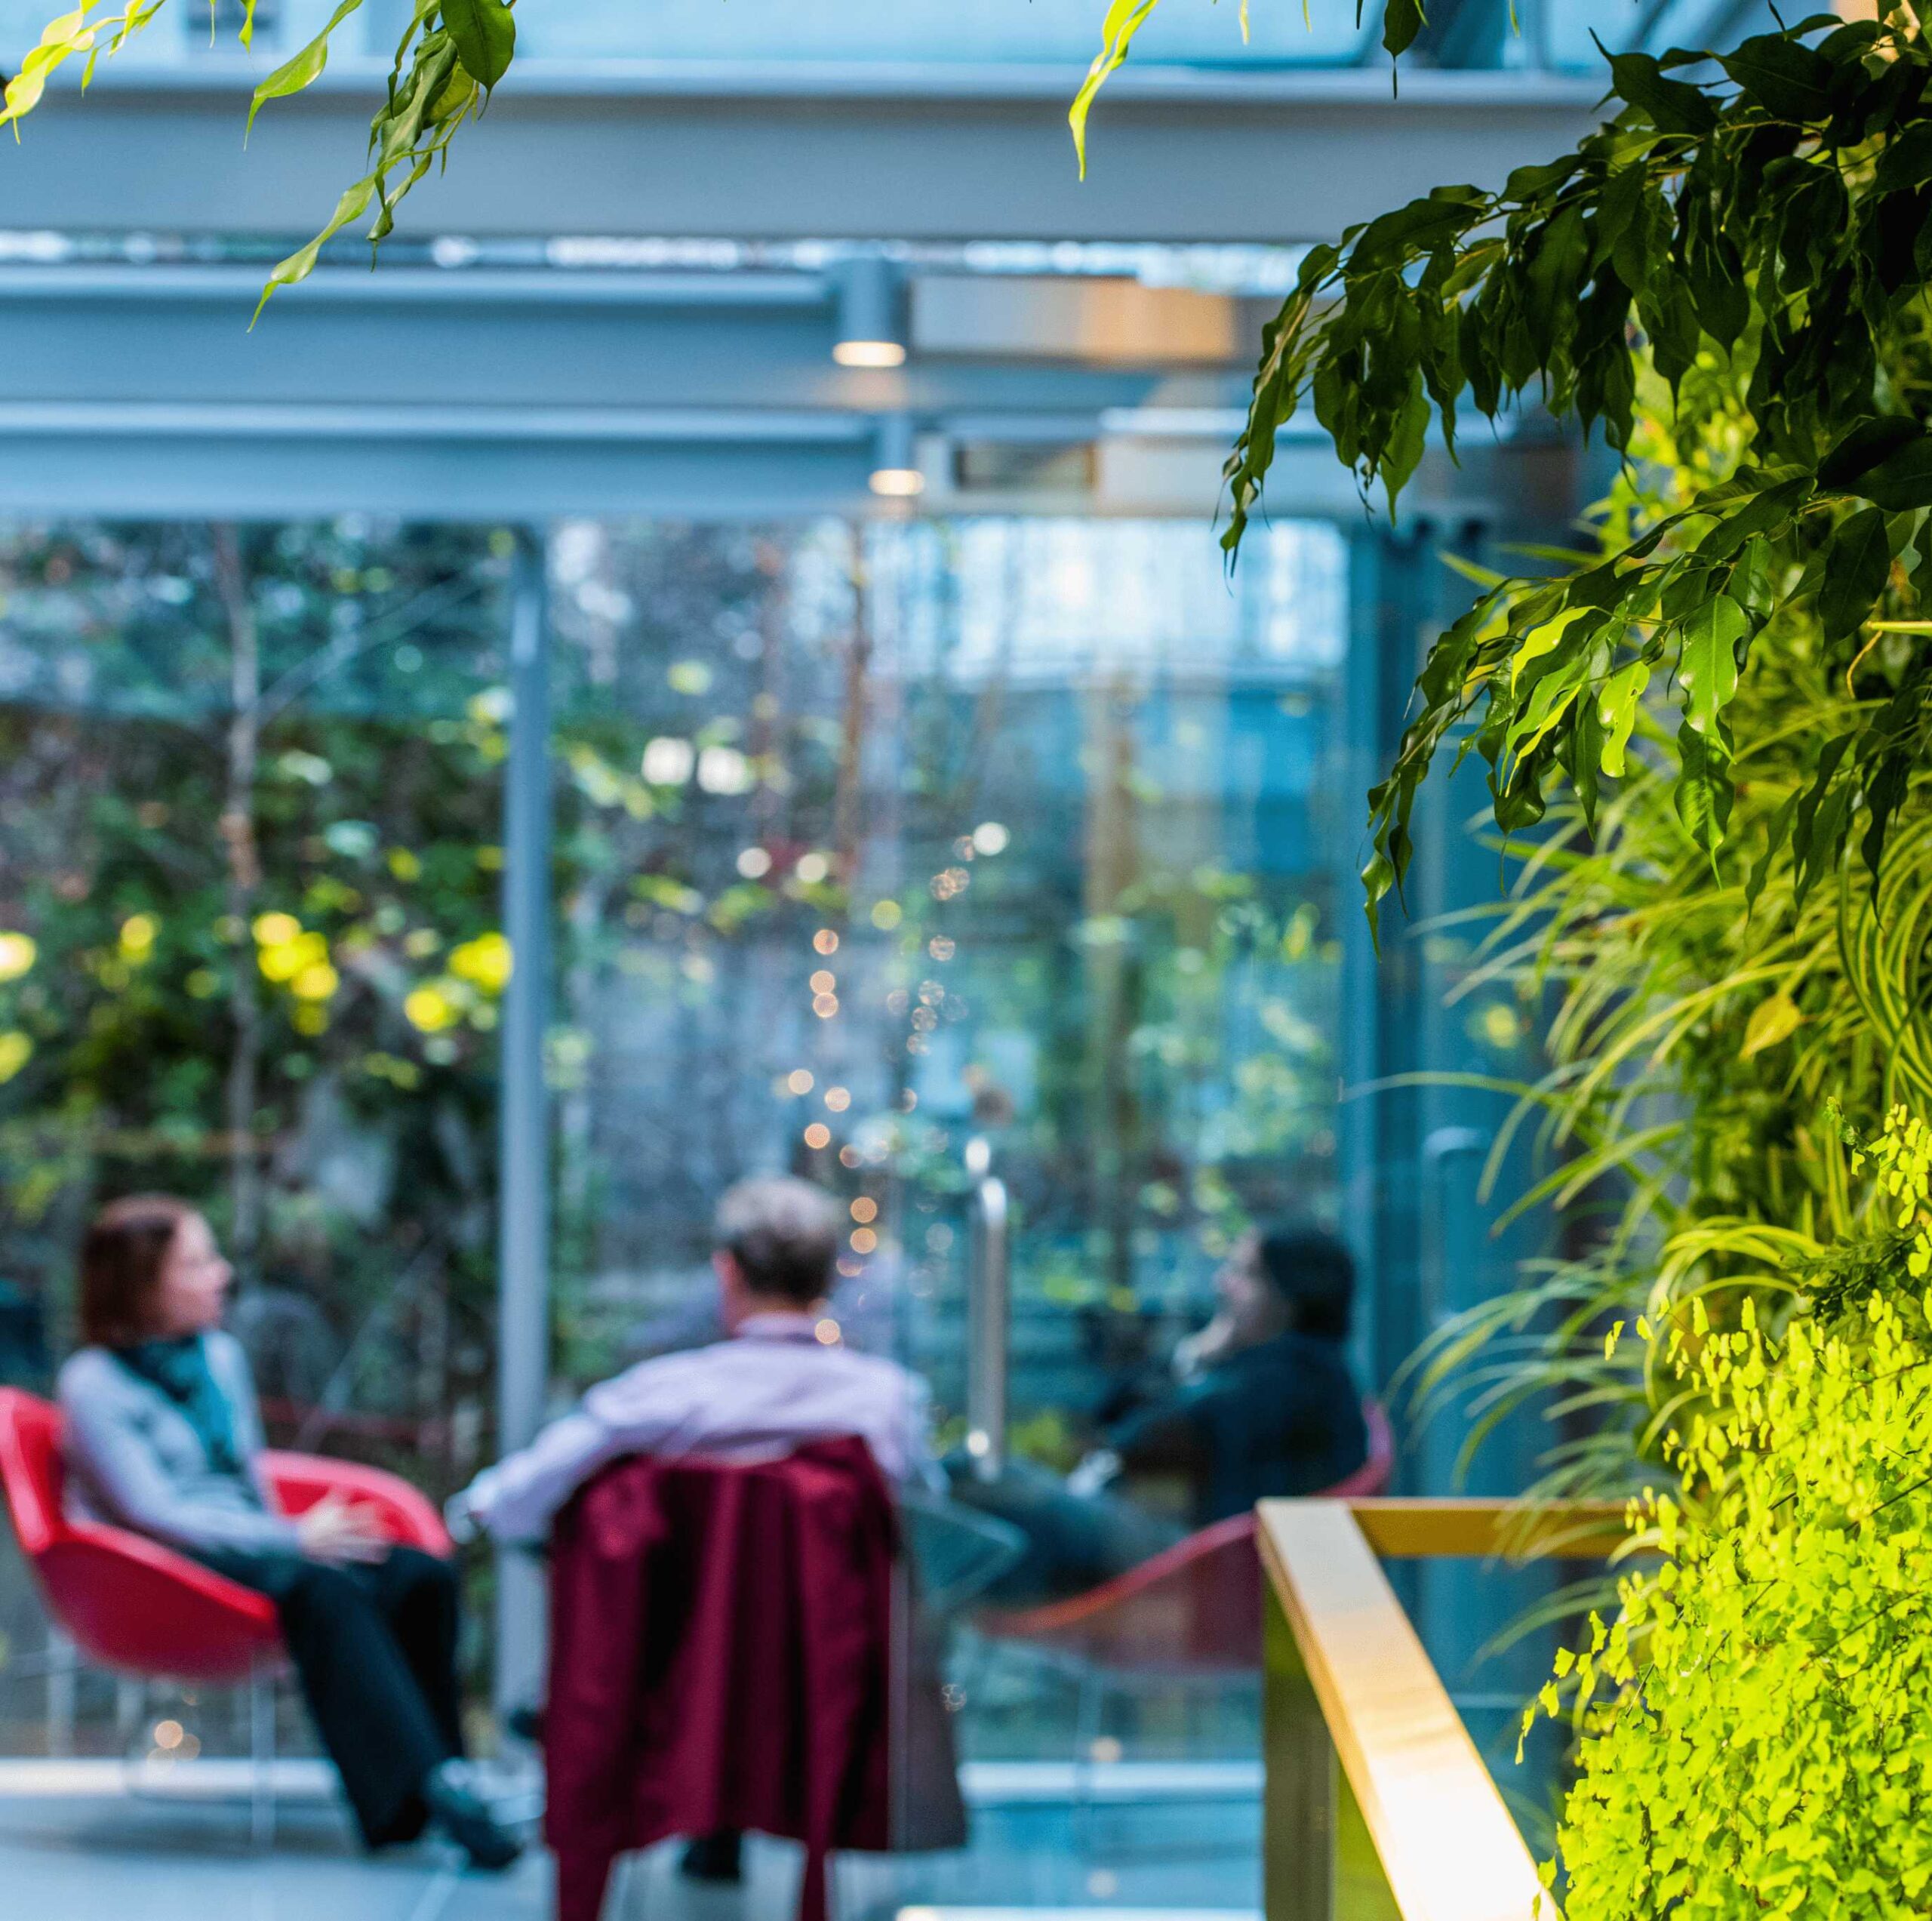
<point x="1771" y="1021"/>
<point x="354" y="203"/>
<point x="1616" y="708"/>
<point x="1123" y="20"/>
<point x="301" y="68"/>
<point x="1542" y="639"/>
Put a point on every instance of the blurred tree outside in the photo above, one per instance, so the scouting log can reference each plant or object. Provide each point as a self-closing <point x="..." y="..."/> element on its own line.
<point x="248" y="873"/>
<point x="830" y="894"/>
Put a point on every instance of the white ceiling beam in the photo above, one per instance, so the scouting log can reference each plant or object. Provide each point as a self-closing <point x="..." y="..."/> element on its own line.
<point x="798" y="152"/>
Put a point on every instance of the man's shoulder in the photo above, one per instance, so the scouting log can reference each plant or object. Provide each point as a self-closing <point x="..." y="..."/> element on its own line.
<point x="662" y="1373"/>
<point x="881" y="1369"/>
<point x="696" y="1370"/>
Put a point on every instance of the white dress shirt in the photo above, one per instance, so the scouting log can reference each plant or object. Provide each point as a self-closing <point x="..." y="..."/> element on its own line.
<point x="772" y="1386"/>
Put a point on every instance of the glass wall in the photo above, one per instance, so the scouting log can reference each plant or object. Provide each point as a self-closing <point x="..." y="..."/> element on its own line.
<point x="876" y="842"/>
<point x="249" y="873"/>
<point x="871" y="842"/>
<point x="1561" y="34"/>
<point x="879" y="842"/>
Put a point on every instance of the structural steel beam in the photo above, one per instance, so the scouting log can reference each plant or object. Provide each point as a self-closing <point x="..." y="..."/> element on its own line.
<point x="136" y="390"/>
<point x="799" y="151"/>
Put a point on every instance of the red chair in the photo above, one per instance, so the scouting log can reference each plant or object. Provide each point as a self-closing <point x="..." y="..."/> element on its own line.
<point x="1189" y="1617"/>
<point x="138" y="1607"/>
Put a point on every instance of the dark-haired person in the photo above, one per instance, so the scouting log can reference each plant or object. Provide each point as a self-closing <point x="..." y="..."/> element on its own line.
<point x="164" y="1437"/>
<point x="1268" y="1405"/>
<point x="782" y="1377"/>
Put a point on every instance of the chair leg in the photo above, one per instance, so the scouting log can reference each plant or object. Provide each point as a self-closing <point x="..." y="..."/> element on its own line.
<point x="1088" y="1718"/>
<point x="261" y="1756"/>
<point x="131" y="1700"/>
<point x="63" y="1664"/>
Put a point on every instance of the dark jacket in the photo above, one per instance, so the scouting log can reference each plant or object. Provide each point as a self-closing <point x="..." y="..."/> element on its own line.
<point x="1283" y="1417"/>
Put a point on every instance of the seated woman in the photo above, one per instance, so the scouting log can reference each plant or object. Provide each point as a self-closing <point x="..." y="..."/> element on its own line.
<point x="1265" y="1405"/>
<point x="163" y="1436"/>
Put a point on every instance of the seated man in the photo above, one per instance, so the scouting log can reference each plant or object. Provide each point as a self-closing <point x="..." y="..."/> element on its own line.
<point x="781" y="1377"/>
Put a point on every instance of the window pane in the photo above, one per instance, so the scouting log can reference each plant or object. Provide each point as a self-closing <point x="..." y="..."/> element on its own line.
<point x="249" y="870"/>
<point x="879" y="842"/>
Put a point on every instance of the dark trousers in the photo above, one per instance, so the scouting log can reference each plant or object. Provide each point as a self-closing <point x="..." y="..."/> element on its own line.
<point x="1074" y="1542"/>
<point x="375" y="1649"/>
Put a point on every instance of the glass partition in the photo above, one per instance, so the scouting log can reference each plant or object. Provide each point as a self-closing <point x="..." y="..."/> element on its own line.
<point x="874" y="842"/>
<point x="755" y="32"/>
<point x="894" y="853"/>
<point x="713" y="36"/>
<point x="931" y="32"/>
<point x="249" y="877"/>
<point x="888" y="853"/>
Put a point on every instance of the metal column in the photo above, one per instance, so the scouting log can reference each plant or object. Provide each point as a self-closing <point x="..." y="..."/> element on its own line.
<point x="989" y="1318"/>
<point x="1359" y="760"/>
<point x="523" y="1330"/>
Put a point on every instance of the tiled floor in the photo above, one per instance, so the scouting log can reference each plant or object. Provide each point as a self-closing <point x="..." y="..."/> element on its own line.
<point x="1165" y="1844"/>
<point x="1172" y="1829"/>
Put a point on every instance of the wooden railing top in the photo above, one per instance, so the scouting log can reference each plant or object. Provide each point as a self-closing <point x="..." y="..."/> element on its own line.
<point x="1448" y="1846"/>
<point x="1398" y="1528"/>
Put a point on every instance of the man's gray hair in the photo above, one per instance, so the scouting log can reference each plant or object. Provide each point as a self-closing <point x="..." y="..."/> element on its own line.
<point x="783" y="1234"/>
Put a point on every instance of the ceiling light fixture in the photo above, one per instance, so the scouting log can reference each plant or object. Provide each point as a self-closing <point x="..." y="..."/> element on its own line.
<point x="872" y="312"/>
<point x="896" y="474"/>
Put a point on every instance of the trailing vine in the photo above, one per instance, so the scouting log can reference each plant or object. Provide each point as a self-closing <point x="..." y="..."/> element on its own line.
<point x="448" y="61"/>
<point x="1754" y="1719"/>
<point x="1778" y="215"/>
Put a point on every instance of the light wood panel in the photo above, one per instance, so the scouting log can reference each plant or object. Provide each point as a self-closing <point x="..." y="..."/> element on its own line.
<point x="1583" y="1530"/>
<point x="1448" y="1846"/>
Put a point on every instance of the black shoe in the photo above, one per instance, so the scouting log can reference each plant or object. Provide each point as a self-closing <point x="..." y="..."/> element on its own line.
<point x="719" y="1857"/>
<point x="456" y="1807"/>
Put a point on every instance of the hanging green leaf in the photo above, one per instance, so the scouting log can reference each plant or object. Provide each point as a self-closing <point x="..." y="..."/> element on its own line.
<point x="1124" y="19"/>
<point x="295" y="73"/>
<point x="1902" y="479"/>
<point x="484" y="31"/>
<point x="1673" y="106"/>
<point x="1617" y="710"/>
<point x="1704" y="789"/>
<point x="1709" y="663"/>
<point x="1401" y="21"/>
<point x="1856" y="565"/>
<point x="1782" y="75"/>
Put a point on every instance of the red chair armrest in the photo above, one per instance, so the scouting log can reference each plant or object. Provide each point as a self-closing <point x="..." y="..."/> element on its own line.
<point x="1056" y="1617"/>
<point x="407" y="1516"/>
<point x="129" y="1559"/>
<point x="133" y="1604"/>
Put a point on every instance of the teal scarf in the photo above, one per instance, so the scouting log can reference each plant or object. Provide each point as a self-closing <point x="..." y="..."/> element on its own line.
<point x="180" y="1368"/>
